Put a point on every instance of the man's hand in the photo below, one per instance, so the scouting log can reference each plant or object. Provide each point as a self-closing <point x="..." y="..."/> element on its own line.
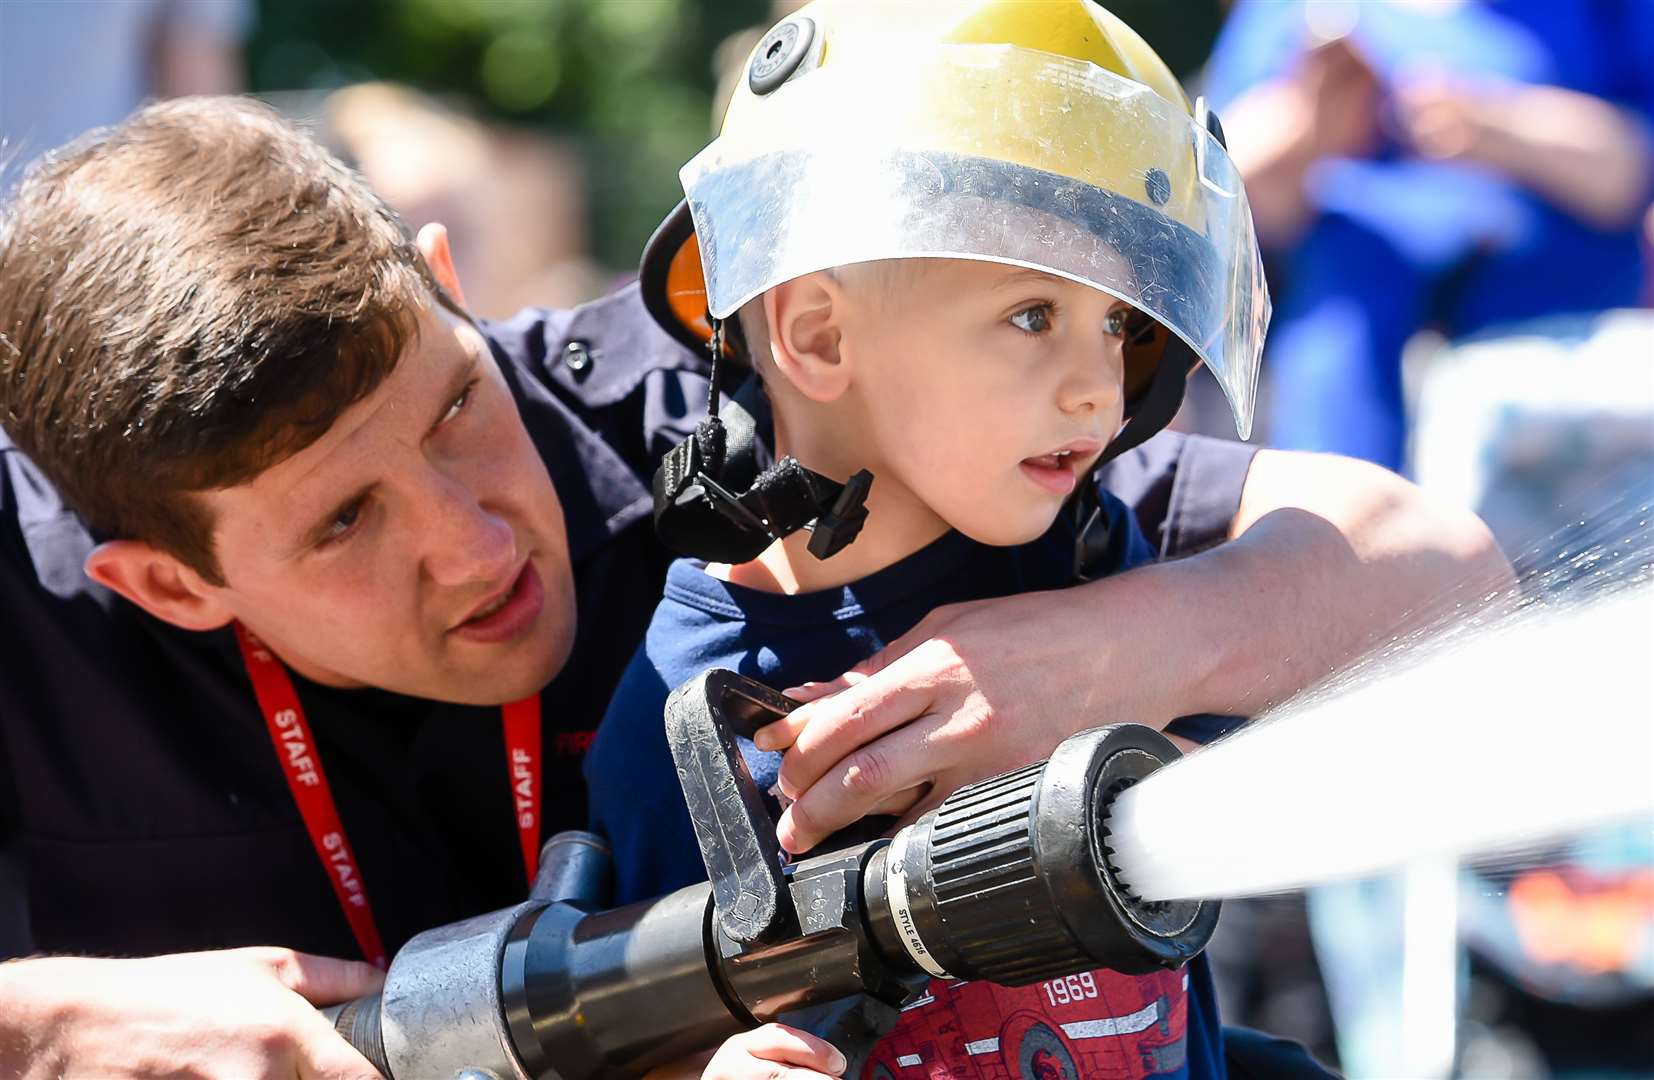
<point x="771" y="1052"/>
<point x="242" y="1013"/>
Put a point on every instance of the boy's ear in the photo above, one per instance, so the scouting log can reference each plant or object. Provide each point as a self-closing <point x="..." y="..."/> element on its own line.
<point x="433" y="244"/>
<point x="804" y="317"/>
<point x="157" y="582"/>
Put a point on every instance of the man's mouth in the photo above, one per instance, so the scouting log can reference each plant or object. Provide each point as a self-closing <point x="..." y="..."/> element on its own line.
<point x="504" y="616"/>
<point x="489" y="609"/>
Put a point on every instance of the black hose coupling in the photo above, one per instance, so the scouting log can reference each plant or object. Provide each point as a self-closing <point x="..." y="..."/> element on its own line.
<point x="1010" y="880"/>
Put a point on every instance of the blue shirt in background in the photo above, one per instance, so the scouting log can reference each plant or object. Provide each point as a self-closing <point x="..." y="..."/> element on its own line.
<point x="1397" y="242"/>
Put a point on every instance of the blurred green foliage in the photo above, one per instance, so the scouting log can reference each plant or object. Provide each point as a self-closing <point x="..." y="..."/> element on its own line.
<point x="630" y="80"/>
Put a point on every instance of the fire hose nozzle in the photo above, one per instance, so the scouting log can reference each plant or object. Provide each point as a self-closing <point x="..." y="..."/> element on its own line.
<point x="1009" y="880"/>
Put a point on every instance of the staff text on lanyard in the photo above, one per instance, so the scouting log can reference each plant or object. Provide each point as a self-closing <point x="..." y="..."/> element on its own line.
<point x="295" y="747"/>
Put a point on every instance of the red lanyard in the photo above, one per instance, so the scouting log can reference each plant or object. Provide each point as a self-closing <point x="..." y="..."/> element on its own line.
<point x="296" y="750"/>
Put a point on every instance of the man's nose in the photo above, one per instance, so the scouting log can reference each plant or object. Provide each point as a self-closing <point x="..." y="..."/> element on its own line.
<point x="466" y="542"/>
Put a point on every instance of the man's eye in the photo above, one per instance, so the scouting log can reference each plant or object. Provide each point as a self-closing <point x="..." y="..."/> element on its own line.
<point x="341" y="525"/>
<point x="1117" y="322"/>
<point x="1033" y="320"/>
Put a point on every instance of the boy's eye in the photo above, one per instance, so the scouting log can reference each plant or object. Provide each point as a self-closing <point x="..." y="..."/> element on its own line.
<point x="1117" y="322"/>
<point x="459" y="403"/>
<point x="1033" y="320"/>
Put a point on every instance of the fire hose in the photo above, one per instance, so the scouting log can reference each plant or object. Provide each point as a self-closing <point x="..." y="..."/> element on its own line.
<point x="1009" y="880"/>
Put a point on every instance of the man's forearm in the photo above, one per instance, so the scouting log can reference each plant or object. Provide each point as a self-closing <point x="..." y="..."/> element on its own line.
<point x="28" y="1019"/>
<point x="1331" y="557"/>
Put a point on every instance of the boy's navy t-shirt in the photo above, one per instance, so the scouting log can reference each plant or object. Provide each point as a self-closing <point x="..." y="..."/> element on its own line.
<point x="1099" y="1024"/>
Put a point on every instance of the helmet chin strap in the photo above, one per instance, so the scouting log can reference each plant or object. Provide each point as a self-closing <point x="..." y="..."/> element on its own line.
<point x="1094" y="541"/>
<point x="712" y="501"/>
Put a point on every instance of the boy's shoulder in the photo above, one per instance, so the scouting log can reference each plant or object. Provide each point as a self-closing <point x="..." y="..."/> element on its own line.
<point x="702" y="620"/>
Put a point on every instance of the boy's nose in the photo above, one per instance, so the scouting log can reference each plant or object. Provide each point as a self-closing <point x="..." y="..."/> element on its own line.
<point x="466" y="543"/>
<point x="1093" y="381"/>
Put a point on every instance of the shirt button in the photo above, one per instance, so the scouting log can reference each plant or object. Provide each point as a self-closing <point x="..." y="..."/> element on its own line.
<point x="577" y="357"/>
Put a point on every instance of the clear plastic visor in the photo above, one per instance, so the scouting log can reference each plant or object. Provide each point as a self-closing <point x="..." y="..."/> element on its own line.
<point x="1073" y="171"/>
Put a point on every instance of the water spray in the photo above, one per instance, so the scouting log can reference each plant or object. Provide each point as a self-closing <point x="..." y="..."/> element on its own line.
<point x="1538" y="725"/>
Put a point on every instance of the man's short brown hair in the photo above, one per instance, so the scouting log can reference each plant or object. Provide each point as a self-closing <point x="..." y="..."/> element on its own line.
<point x="187" y="299"/>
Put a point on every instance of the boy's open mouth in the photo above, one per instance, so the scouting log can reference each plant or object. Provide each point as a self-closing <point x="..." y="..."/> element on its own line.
<point x="1058" y="470"/>
<point x="1061" y="459"/>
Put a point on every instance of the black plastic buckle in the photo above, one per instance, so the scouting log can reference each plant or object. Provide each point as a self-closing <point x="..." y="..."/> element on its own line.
<point x="833" y="531"/>
<point x="725" y="502"/>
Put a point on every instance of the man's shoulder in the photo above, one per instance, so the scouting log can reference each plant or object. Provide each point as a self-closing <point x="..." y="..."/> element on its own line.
<point x="595" y="355"/>
<point x="1183" y="489"/>
<point x="603" y="393"/>
<point x="43" y="543"/>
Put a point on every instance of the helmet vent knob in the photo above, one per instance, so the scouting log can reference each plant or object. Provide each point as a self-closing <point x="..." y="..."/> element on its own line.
<point x="1158" y="185"/>
<point x="780" y="53"/>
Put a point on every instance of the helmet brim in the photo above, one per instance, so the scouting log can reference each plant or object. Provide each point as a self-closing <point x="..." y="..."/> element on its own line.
<point x="671" y="282"/>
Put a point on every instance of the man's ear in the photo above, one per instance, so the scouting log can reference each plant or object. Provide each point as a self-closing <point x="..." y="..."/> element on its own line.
<point x="433" y="244"/>
<point x="804" y="317"/>
<point x="157" y="582"/>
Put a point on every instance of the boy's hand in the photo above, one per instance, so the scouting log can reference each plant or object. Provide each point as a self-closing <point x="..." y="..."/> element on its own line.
<point x="971" y="691"/>
<point x="771" y="1052"/>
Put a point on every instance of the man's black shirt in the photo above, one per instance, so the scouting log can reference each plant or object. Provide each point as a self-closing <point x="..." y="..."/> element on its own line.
<point x="142" y="807"/>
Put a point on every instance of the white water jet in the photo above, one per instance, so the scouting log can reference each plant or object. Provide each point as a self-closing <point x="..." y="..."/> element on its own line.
<point x="1486" y="741"/>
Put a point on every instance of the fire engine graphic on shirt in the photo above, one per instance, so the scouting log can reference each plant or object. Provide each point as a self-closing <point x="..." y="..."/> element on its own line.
<point x="1097" y="1026"/>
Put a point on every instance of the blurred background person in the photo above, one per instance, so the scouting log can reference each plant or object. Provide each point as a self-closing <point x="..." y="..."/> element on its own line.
<point x="1430" y="162"/>
<point x="1482" y="170"/>
<point x="514" y="199"/>
<point x="66" y="67"/>
<point x="549" y="133"/>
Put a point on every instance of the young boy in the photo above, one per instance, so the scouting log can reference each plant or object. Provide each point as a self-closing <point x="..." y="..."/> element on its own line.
<point x="974" y="249"/>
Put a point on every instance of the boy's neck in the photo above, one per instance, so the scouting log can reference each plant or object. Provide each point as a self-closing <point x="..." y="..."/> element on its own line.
<point x="897" y="525"/>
